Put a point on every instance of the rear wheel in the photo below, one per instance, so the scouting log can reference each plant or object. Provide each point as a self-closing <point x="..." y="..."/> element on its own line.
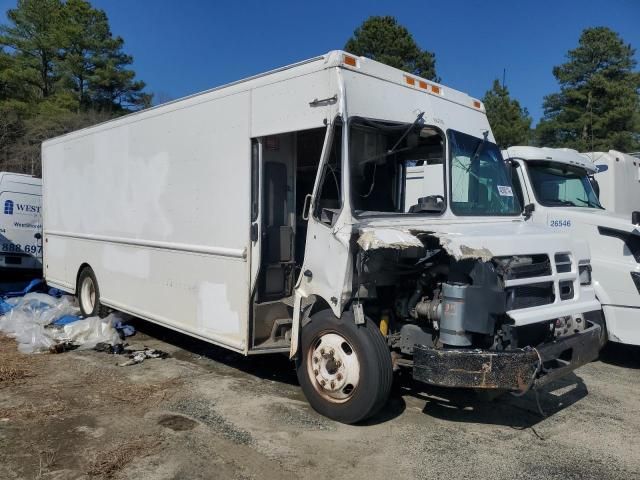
<point x="88" y="295"/>
<point x="344" y="369"/>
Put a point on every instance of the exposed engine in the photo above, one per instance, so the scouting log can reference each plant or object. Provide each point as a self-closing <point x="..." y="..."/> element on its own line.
<point x="424" y="296"/>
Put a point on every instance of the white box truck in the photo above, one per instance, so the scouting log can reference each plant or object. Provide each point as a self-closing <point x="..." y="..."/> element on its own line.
<point x="618" y="181"/>
<point x="268" y="216"/>
<point x="20" y="224"/>
<point x="558" y="183"/>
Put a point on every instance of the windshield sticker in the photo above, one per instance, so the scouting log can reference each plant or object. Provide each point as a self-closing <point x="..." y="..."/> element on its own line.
<point x="505" y="191"/>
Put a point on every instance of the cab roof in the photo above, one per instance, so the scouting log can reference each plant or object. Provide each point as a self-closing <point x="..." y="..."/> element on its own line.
<point x="559" y="155"/>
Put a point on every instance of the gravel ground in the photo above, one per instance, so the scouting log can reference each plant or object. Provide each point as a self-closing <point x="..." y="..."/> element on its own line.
<point x="208" y="413"/>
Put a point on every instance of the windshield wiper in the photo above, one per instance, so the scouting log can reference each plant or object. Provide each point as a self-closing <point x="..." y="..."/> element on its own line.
<point x="589" y="203"/>
<point x="406" y="132"/>
<point x="567" y="203"/>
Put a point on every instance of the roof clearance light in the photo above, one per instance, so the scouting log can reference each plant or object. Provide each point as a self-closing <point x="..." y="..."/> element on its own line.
<point x="423" y="84"/>
<point x="349" y="60"/>
<point x="477" y="104"/>
<point x="410" y="81"/>
<point x="435" y="89"/>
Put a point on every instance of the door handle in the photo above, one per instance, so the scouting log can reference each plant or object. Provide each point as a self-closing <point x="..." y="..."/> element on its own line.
<point x="306" y="207"/>
<point x="254" y="232"/>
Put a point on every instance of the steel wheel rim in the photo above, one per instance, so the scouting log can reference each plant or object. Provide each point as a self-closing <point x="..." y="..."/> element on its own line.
<point x="88" y="295"/>
<point x="333" y="367"/>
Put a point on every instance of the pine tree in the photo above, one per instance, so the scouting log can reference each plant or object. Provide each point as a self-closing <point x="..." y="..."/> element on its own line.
<point x="598" y="106"/>
<point x="34" y="36"/>
<point x="385" y="40"/>
<point x="94" y="62"/>
<point x="61" y="68"/>
<point x="510" y="123"/>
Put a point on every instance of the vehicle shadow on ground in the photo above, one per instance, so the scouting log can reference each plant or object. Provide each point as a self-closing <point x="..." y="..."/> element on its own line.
<point x="275" y="367"/>
<point x="494" y="408"/>
<point x="451" y="404"/>
<point x="621" y="355"/>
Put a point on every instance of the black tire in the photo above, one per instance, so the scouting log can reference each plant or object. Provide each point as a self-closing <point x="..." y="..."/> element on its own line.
<point x="372" y="354"/>
<point x="89" y="308"/>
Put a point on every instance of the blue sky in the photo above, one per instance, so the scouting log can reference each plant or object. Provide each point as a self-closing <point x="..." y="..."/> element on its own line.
<point x="191" y="45"/>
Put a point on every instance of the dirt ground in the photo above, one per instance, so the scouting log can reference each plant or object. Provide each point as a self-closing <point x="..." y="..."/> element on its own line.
<point x="206" y="413"/>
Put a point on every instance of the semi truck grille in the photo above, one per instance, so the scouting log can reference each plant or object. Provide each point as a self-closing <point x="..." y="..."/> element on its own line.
<point x="515" y="267"/>
<point x="526" y="296"/>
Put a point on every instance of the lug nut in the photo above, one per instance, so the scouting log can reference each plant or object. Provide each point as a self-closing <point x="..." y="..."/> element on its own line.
<point x="338" y="364"/>
<point x="333" y="384"/>
<point x="323" y="383"/>
<point x="315" y="372"/>
<point x="331" y="352"/>
<point x="322" y="351"/>
<point x="339" y="376"/>
<point x="316" y="359"/>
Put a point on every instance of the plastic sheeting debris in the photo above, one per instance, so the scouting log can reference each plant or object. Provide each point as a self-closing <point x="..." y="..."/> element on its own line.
<point x="31" y="323"/>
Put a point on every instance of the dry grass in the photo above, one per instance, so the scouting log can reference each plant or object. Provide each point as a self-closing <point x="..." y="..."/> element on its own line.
<point x="14" y="365"/>
<point x="30" y="411"/>
<point x="110" y="461"/>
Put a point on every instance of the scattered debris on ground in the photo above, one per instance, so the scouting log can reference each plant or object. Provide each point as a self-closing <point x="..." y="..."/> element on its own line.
<point x="41" y="323"/>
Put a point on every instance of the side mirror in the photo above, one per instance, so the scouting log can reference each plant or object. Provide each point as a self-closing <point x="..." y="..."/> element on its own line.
<point x="635" y="218"/>
<point x="306" y="206"/>
<point x="529" y="208"/>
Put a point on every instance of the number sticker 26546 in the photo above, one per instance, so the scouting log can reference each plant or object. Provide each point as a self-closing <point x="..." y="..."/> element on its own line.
<point x="560" y="223"/>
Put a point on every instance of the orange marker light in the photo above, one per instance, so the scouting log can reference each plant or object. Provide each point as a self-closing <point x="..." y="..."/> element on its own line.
<point x="435" y="89"/>
<point x="477" y="104"/>
<point x="348" y="60"/>
<point x="423" y="84"/>
<point x="410" y="81"/>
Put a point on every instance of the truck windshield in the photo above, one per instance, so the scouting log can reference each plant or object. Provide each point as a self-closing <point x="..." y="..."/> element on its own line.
<point x="396" y="168"/>
<point x="561" y="185"/>
<point x="480" y="184"/>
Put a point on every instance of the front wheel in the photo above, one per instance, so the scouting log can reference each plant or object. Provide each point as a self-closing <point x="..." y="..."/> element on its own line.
<point x="344" y="369"/>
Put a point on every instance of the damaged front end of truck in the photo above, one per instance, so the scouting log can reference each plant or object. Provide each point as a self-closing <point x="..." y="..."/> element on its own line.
<point x="423" y="261"/>
<point x="452" y="310"/>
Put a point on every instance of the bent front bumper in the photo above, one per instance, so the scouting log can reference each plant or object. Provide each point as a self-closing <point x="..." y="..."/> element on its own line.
<point x="508" y="370"/>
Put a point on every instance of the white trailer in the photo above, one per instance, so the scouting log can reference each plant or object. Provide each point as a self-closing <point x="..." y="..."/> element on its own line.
<point x="20" y="224"/>
<point x="558" y="182"/>
<point x="269" y="215"/>
<point x="618" y="181"/>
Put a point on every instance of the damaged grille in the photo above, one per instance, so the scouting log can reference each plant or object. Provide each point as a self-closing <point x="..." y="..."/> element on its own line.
<point x="516" y="267"/>
<point x="526" y="296"/>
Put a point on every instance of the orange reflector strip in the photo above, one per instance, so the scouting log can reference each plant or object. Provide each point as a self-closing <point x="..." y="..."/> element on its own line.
<point x="477" y="104"/>
<point x="435" y="89"/>
<point x="410" y="81"/>
<point x="423" y="84"/>
<point x="347" y="60"/>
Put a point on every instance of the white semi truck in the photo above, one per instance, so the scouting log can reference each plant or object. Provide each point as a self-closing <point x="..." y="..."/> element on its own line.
<point x="558" y="184"/>
<point x="268" y="215"/>
<point x="20" y="224"/>
<point x="617" y="181"/>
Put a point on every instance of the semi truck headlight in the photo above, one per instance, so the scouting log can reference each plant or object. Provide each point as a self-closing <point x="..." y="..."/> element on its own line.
<point x="584" y="272"/>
